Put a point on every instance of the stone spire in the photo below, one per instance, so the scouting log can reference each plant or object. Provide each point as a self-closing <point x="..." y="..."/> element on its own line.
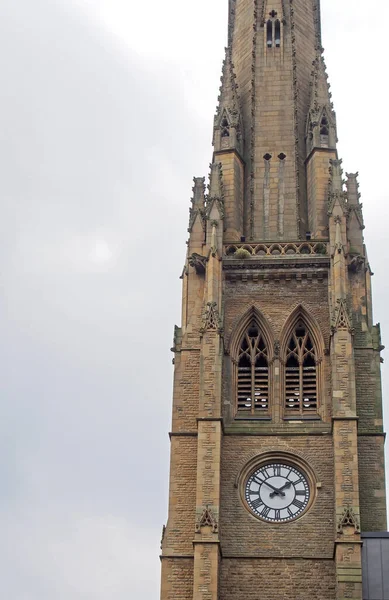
<point x="272" y="45"/>
<point x="228" y="122"/>
<point x="355" y="225"/>
<point x="321" y="122"/>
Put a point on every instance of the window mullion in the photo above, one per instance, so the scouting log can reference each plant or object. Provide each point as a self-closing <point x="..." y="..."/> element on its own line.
<point x="252" y="385"/>
<point x="301" y="385"/>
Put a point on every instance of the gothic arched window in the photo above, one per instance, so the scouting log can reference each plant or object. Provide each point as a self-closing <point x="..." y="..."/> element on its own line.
<point x="301" y="373"/>
<point x="273" y="31"/>
<point x="253" y="373"/>
<point x="225" y="128"/>
<point x="324" y="132"/>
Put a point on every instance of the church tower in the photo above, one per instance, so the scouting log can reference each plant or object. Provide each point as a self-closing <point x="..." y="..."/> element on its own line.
<point x="277" y="443"/>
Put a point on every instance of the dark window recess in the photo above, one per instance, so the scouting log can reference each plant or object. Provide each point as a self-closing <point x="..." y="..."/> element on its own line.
<point x="225" y="128"/>
<point x="277" y="31"/>
<point x="253" y="374"/>
<point x="324" y="132"/>
<point x="301" y="373"/>
<point x="269" y="34"/>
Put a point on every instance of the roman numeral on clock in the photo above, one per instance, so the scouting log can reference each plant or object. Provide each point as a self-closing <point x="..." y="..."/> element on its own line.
<point x="257" y="480"/>
<point x="298" y="503"/>
<point x="265" y="511"/>
<point x="277" y="470"/>
<point x="300" y="492"/>
<point x="278" y="515"/>
<point x="256" y="503"/>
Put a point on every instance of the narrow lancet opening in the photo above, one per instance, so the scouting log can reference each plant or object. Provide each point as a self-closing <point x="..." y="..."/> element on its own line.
<point x="225" y="128"/>
<point x="324" y="132"/>
<point x="277" y="29"/>
<point x="269" y="34"/>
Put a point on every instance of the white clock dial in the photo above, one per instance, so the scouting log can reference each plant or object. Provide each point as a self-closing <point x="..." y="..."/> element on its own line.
<point x="277" y="492"/>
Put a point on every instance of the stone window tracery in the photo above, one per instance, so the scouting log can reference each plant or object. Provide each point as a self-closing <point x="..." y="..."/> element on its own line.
<point x="253" y="373"/>
<point x="301" y="379"/>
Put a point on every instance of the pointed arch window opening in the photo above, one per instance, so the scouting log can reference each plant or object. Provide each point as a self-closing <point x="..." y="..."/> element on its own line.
<point x="225" y="128"/>
<point x="273" y="32"/>
<point x="269" y="34"/>
<point x="301" y="378"/>
<point x="277" y="34"/>
<point x="253" y="373"/>
<point x="324" y="132"/>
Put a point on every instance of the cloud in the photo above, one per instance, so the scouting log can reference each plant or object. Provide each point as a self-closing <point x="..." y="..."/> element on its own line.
<point x="81" y="557"/>
<point x="106" y="116"/>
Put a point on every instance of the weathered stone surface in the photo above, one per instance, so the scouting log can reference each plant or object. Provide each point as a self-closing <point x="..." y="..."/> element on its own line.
<point x="275" y="248"/>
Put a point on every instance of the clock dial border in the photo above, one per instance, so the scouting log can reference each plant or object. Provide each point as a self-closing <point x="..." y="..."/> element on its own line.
<point x="288" y="461"/>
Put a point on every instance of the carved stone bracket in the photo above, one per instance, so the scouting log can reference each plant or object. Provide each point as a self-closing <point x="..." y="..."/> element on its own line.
<point x="207" y="519"/>
<point x="348" y="519"/>
<point x="357" y="263"/>
<point x="177" y="339"/>
<point x="198" y="262"/>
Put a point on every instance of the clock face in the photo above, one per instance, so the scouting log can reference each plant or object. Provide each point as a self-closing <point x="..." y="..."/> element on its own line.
<point x="277" y="492"/>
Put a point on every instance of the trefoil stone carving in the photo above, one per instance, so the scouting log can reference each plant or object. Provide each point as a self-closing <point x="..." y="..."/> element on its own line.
<point x="341" y="320"/>
<point x="348" y="519"/>
<point x="211" y="319"/>
<point x="207" y="519"/>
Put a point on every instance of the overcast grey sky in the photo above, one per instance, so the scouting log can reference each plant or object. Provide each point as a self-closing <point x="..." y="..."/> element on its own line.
<point x="106" y="114"/>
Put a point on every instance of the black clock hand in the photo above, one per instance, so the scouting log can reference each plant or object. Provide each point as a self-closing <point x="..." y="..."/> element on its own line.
<point x="284" y="487"/>
<point x="287" y="485"/>
<point x="275" y="492"/>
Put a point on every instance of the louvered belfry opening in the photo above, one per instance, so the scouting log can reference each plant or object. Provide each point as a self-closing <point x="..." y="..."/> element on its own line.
<point x="301" y="373"/>
<point x="253" y="373"/>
